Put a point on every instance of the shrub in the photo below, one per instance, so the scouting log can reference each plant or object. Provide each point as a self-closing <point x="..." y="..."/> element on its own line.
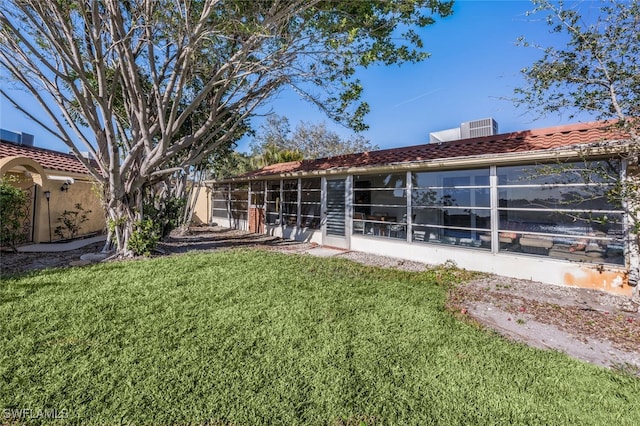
<point x="12" y="205"/>
<point x="166" y="213"/>
<point x="144" y="238"/>
<point x="71" y="221"/>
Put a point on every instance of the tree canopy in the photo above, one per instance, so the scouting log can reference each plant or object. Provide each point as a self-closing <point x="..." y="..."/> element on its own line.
<point x="152" y="86"/>
<point x="309" y="139"/>
<point x="595" y="67"/>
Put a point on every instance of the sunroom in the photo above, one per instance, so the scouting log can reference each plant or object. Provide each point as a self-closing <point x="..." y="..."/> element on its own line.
<point x="545" y="213"/>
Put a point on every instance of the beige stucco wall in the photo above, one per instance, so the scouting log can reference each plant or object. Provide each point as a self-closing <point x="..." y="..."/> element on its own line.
<point x="29" y="174"/>
<point x="81" y="191"/>
<point x="202" y="211"/>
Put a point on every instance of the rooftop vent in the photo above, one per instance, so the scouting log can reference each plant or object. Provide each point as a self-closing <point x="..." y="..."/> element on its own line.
<point x="16" y="138"/>
<point x="468" y="129"/>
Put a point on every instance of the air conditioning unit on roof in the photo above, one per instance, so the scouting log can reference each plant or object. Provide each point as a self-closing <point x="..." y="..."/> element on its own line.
<point x="478" y="128"/>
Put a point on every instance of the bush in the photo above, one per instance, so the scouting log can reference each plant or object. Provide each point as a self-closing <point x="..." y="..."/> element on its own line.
<point x="166" y="213"/>
<point x="12" y="204"/>
<point x="71" y="221"/>
<point x="144" y="238"/>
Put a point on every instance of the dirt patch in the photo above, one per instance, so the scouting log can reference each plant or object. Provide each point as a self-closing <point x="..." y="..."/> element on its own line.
<point x="17" y="263"/>
<point x="591" y="325"/>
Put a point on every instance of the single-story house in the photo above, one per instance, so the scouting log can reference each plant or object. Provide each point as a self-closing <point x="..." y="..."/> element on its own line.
<point x="531" y="204"/>
<point x="53" y="182"/>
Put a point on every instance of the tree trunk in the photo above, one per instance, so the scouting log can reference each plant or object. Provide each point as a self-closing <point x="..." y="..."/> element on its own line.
<point x="122" y="216"/>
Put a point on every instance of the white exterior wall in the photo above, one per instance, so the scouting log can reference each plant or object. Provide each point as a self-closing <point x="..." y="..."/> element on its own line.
<point x="295" y="233"/>
<point x="601" y="277"/>
<point x="288" y="233"/>
<point x="225" y="222"/>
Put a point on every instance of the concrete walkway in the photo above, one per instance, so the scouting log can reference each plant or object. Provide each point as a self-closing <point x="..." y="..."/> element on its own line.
<point x="58" y="247"/>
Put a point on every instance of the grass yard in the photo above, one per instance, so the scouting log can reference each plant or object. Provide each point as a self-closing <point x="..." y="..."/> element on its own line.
<point x="249" y="337"/>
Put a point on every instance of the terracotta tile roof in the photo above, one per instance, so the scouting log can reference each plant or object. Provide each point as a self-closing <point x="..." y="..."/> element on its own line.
<point x="48" y="159"/>
<point x="507" y="143"/>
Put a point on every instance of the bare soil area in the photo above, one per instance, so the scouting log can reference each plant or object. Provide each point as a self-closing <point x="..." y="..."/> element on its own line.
<point x="594" y="326"/>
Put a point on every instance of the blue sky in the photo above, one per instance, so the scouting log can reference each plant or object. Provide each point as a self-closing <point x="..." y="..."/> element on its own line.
<point x="474" y="65"/>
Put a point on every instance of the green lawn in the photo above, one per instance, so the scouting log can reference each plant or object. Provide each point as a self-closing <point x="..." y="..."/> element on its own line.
<point x="248" y="337"/>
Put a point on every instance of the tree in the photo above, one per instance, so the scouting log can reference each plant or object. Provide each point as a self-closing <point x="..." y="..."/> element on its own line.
<point x="123" y="79"/>
<point x="274" y="154"/>
<point x="595" y="70"/>
<point x="311" y="140"/>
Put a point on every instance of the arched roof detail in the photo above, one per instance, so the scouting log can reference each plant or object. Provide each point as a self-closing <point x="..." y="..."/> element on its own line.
<point x="9" y="163"/>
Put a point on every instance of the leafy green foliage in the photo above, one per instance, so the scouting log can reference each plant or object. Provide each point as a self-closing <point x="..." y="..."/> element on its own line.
<point x="165" y="213"/>
<point x="70" y="222"/>
<point x="596" y="67"/>
<point x="235" y="164"/>
<point x="145" y="237"/>
<point x="309" y="140"/>
<point x="12" y="205"/>
<point x="255" y="337"/>
<point x="272" y="154"/>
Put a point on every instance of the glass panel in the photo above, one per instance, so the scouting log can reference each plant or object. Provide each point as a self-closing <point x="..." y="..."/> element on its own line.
<point x="452" y="207"/>
<point x="576" y="172"/>
<point x="239" y="204"/>
<point x="451" y="178"/>
<point x="595" y="248"/>
<point x="257" y="193"/>
<point x="219" y="202"/>
<point x="568" y="235"/>
<point x="312" y="183"/>
<point x="561" y="223"/>
<point x="336" y="207"/>
<point x="458" y="237"/>
<point x="290" y="202"/>
<point x="462" y="218"/>
<point x="452" y="197"/>
<point x="388" y="222"/>
<point x="388" y="181"/>
<point x="273" y="203"/>
<point x="584" y="225"/>
<point x="310" y="203"/>
<point x="380" y="205"/>
<point x="556" y="197"/>
<point x="310" y="196"/>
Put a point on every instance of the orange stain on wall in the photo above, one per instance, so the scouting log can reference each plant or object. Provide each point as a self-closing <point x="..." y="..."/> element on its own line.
<point x="610" y="281"/>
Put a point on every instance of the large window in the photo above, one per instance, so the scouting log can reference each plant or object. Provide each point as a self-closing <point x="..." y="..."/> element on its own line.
<point x="380" y="205"/>
<point x="561" y="211"/>
<point x="257" y="194"/>
<point x="452" y="207"/>
<point x="273" y="202"/>
<point x="310" y="199"/>
<point x="220" y="201"/>
<point x="239" y="206"/>
<point x="290" y="202"/>
<point x="282" y="203"/>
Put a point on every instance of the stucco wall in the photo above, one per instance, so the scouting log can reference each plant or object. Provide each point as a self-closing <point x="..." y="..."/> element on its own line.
<point x="601" y="277"/>
<point x="202" y="211"/>
<point x="79" y="192"/>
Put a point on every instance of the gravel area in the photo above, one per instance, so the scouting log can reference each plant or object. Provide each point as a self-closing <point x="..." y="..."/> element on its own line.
<point x="594" y="326"/>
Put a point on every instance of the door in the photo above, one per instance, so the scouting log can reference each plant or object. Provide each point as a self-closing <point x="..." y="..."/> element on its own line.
<point x="335" y="230"/>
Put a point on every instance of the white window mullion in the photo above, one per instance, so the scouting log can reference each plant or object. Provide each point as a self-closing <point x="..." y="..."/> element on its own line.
<point x="495" y="218"/>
